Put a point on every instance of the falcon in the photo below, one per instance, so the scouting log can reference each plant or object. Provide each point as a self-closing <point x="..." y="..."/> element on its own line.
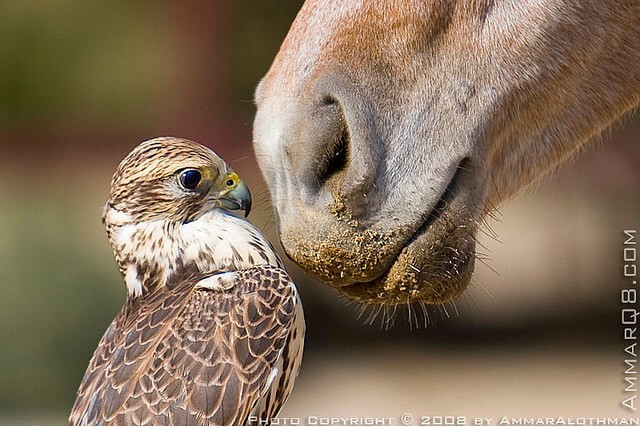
<point x="212" y="329"/>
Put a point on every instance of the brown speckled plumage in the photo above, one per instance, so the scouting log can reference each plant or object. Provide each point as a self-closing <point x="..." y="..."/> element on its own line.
<point x="182" y="351"/>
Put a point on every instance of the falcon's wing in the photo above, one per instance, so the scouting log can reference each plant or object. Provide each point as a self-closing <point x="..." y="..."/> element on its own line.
<point x="190" y="356"/>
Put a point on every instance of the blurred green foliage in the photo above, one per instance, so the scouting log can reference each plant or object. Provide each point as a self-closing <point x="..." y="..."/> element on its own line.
<point x="85" y="60"/>
<point x="58" y="293"/>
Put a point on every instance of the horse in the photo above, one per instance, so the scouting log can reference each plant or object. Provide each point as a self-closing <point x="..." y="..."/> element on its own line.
<point x="388" y="130"/>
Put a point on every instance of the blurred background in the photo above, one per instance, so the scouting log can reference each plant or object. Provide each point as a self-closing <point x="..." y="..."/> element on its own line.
<point x="82" y="82"/>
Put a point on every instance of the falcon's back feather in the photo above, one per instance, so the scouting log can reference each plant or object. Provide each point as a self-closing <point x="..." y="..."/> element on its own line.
<point x="195" y="356"/>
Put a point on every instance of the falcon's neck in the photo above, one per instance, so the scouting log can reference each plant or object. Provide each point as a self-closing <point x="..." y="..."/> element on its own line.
<point x="154" y="254"/>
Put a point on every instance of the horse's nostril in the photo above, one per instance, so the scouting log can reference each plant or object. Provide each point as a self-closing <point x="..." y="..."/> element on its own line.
<point x="337" y="156"/>
<point x="328" y="100"/>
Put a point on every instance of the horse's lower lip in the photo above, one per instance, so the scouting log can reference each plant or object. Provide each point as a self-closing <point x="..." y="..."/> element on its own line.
<point x="447" y="195"/>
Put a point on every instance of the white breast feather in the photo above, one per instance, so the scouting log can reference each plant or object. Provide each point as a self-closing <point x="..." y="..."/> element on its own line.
<point x="209" y="241"/>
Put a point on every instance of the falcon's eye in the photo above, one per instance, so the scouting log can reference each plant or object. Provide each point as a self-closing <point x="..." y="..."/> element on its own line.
<point x="190" y="178"/>
<point x="231" y="180"/>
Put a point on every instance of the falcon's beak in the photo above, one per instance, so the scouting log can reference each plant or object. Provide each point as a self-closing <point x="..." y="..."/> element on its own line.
<point x="238" y="199"/>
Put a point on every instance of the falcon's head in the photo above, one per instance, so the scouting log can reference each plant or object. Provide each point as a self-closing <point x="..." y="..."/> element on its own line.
<point x="172" y="179"/>
<point x="167" y="215"/>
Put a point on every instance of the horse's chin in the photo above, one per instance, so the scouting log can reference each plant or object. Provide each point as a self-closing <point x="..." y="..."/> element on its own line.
<point x="434" y="267"/>
<point x="432" y="264"/>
